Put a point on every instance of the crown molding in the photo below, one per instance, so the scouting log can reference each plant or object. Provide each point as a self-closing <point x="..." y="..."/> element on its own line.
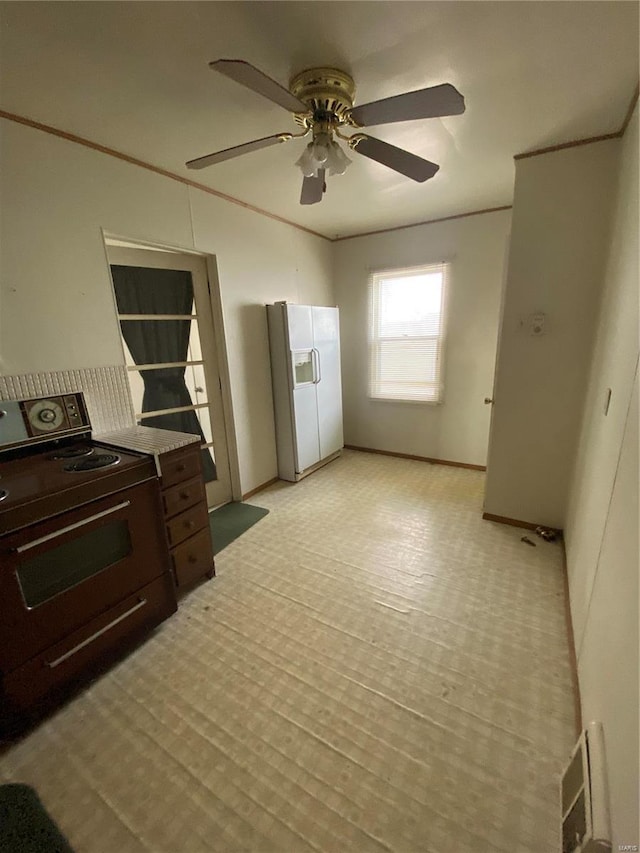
<point x="424" y="222"/>
<point x="134" y="161"/>
<point x="574" y="143"/>
<point x="632" y="106"/>
<point x="112" y="152"/>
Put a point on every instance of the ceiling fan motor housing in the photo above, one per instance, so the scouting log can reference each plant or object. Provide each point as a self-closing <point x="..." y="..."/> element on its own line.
<point x="328" y="92"/>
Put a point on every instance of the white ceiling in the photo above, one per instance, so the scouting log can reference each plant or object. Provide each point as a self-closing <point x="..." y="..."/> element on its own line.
<point x="134" y="77"/>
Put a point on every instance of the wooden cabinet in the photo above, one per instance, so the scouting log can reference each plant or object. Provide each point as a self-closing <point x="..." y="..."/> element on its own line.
<point x="186" y="515"/>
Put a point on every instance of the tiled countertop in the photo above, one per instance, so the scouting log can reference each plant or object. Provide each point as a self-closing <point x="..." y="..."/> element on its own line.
<point x="147" y="439"/>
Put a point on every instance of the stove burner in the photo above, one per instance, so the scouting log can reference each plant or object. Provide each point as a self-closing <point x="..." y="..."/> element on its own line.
<point x="96" y="460"/>
<point x="3" y="494"/>
<point x="72" y="452"/>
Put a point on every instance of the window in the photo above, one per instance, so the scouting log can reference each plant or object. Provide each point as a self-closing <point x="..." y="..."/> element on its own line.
<point x="406" y="308"/>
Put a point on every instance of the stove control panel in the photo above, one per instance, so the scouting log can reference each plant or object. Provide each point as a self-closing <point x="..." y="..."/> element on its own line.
<point x="40" y="419"/>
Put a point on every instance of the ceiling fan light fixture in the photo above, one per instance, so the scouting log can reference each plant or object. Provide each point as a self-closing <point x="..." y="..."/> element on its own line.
<point x="315" y="155"/>
<point x="337" y="161"/>
<point x="307" y="162"/>
<point x="321" y="146"/>
<point x="323" y="153"/>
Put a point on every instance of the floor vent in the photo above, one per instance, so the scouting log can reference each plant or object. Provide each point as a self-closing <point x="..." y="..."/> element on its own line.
<point x="586" y="826"/>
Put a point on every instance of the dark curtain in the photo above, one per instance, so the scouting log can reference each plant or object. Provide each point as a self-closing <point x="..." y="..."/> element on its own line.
<point x="156" y="291"/>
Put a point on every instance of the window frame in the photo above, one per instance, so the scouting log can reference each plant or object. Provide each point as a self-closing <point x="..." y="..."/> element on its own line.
<point x="375" y="277"/>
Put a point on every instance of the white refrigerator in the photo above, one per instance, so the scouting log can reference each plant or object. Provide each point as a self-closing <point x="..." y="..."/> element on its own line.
<point x="307" y="390"/>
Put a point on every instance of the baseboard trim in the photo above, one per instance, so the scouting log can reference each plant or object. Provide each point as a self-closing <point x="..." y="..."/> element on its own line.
<point x="514" y="522"/>
<point x="517" y="522"/>
<point x="260" y="488"/>
<point x="416" y="458"/>
<point x="573" y="658"/>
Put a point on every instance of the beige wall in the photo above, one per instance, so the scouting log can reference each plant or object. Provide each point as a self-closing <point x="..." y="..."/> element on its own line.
<point x="456" y="430"/>
<point x="559" y="239"/>
<point x="602" y="524"/>
<point x="57" y="307"/>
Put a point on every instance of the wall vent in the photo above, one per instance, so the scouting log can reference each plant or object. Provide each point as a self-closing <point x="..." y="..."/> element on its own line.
<point x="586" y="826"/>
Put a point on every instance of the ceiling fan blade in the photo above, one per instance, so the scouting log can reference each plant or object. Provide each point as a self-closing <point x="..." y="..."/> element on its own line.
<point x="443" y="100"/>
<point x="237" y="151"/>
<point x="312" y="189"/>
<point x="252" y="78"/>
<point x="398" y="159"/>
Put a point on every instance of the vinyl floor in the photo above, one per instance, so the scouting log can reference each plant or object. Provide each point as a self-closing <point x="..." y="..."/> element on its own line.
<point x="375" y="668"/>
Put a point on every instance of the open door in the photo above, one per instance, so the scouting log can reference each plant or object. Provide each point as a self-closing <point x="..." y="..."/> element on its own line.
<point x="166" y="324"/>
<point x="491" y="401"/>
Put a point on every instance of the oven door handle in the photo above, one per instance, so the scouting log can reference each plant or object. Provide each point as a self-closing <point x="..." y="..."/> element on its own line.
<point x="53" y="663"/>
<point x="69" y="527"/>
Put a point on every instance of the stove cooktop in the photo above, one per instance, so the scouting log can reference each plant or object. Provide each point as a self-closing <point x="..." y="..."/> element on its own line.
<point x="72" y="452"/>
<point x="95" y="461"/>
<point x="46" y="483"/>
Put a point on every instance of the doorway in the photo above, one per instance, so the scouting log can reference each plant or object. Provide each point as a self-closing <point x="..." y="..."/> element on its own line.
<point x="163" y="305"/>
<point x="490" y="401"/>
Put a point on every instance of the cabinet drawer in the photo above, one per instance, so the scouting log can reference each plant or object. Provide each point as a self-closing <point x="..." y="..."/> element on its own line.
<point x="193" y="558"/>
<point x="181" y="497"/>
<point x="181" y="466"/>
<point x="95" y="643"/>
<point x="187" y="523"/>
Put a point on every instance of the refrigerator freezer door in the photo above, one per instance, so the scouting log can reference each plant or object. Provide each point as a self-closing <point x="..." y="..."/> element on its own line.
<point x="326" y="340"/>
<point x="282" y="396"/>
<point x="305" y="416"/>
<point x="300" y="327"/>
<point x="305" y="405"/>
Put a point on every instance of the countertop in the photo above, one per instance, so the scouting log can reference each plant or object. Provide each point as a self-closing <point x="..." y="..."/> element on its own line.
<point x="148" y="439"/>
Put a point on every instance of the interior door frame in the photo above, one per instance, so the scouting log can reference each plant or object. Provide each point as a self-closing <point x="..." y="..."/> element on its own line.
<point x="503" y="296"/>
<point x="216" y="318"/>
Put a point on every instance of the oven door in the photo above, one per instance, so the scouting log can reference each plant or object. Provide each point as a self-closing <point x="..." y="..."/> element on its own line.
<point x="59" y="574"/>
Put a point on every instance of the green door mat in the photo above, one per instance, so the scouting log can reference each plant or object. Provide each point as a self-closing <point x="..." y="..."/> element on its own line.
<point x="25" y="826"/>
<point x="231" y="521"/>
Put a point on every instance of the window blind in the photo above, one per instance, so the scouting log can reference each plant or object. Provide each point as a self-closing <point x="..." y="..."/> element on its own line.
<point x="406" y="333"/>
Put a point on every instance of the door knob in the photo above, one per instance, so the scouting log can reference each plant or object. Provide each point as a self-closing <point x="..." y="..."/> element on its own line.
<point x="488" y="400"/>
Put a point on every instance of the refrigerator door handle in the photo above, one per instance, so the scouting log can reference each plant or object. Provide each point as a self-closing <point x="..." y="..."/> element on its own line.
<point x="316" y="358"/>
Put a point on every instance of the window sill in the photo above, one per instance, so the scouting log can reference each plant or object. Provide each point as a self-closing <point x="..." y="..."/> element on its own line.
<point x="405" y="402"/>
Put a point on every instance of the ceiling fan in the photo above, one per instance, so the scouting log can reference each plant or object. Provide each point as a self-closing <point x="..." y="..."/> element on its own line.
<point x="321" y="100"/>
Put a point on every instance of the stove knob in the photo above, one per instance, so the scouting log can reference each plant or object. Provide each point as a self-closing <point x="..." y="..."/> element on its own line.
<point x="47" y="416"/>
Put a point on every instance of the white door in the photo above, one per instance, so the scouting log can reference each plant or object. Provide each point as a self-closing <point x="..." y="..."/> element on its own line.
<point x="490" y="401"/>
<point x="304" y="373"/>
<point x="197" y="368"/>
<point x="326" y="339"/>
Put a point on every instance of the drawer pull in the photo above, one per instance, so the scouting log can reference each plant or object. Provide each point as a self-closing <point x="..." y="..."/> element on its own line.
<point x="189" y="524"/>
<point x="73" y="526"/>
<point x="192" y="558"/>
<point x="182" y="467"/>
<point x="184" y="496"/>
<point x="53" y="663"/>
